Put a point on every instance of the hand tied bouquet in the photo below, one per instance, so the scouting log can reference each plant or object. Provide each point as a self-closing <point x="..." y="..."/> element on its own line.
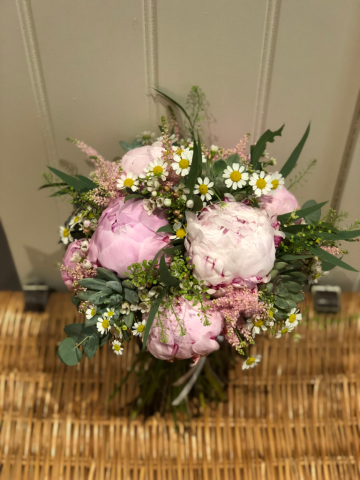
<point x="177" y="244"/>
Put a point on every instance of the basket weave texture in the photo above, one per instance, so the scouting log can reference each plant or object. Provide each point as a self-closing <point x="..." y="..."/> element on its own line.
<point x="296" y="416"/>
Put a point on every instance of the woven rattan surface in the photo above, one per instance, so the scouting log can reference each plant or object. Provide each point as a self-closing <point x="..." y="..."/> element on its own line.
<point x="296" y="416"/>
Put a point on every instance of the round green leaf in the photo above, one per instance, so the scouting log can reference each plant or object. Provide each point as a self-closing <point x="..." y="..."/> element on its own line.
<point x="69" y="353"/>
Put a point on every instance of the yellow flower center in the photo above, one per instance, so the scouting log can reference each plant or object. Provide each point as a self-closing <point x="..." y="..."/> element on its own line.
<point x="271" y="313"/>
<point x="76" y="219"/>
<point x="91" y="215"/>
<point x="158" y="170"/>
<point x="260" y="183"/>
<point x="110" y="313"/>
<point x="180" y="233"/>
<point x="292" y="318"/>
<point x="275" y="184"/>
<point x="184" y="163"/>
<point x="179" y="151"/>
<point x="250" y="361"/>
<point x="317" y="275"/>
<point x="140" y="328"/>
<point x="235" y="176"/>
<point x="105" y="323"/>
<point x="66" y="232"/>
<point x="284" y="330"/>
<point x="203" y="189"/>
<point x="117" y="347"/>
<point x="129" y="182"/>
<point x="93" y="311"/>
<point x="259" y="323"/>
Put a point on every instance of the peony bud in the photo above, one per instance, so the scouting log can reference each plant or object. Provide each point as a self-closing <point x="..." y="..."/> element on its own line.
<point x="87" y="223"/>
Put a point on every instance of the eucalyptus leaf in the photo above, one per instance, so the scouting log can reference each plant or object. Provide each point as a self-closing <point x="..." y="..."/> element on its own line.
<point x="166" y="228"/>
<point x="298" y="276"/>
<point x="128" y="284"/>
<point x="291" y="303"/>
<point x="69" y="353"/>
<point x="115" y="300"/>
<point x="86" y="295"/>
<point x="93" y="283"/>
<point x="293" y="287"/>
<point x="76" y="301"/>
<point x="128" y="319"/>
<point x="280" y="265"/>
<point x="106" y="274"/>
<point x="89" y="322"/>
<point x="131" y="296"/>
<point x="281" y="303"/>
<point x="269" y="287"/>
<point x="74" y="329"/>
<point x="219" y="166"/>
<point x="115" y="286"/>
<point x="91" y="345"/>
<point x="233" y="158"/>
<point x="104" y="339"/>
<point x="297" y="297"/>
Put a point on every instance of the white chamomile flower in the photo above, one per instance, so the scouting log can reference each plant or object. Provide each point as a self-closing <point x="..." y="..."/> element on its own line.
<point x="251" y="362"/>
<point x="270" y="321"/>
<point x="116" y="331"/>
<point x="116" y="346"/>
<point x="255" y="325"/>
<point x="179" y="230"/>
<point x="103" y="325"/>
<point x="236" y="176"/>
<point x="214" y="148"/>
<point x="75" y="220"/>
<point x="125" y="308"/>
<point x="65" y="235"/>
<point x="277" y="181"/>
<point x="203" y="188"/>
<point x="294" y="318"/>
<point x="110" y="312"/>
<point x="157" y="168"/>
<point x="138" y="328"/>
<point x="91" y="312"/>
<point x="182" y="161"/>
<point x="128" y="180"/>
<point x="284" y="331"/>
<point x="261" y="183"/>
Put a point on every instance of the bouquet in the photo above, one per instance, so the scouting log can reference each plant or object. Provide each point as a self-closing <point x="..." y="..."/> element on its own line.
<point x="178" y="244"/>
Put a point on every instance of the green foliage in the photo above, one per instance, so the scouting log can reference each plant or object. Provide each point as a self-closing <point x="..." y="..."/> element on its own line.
<point x="302" y="213"/>
<point x="154" y="309"/>
<point x="130" y="146"/>
<point x="69" y="353"/>
<point x="291" y="162"/>
<point x="257" y="151"/>
<point x="76" y="183"/>
<point x="166" y="276"/>
<point x="301" y="176"/>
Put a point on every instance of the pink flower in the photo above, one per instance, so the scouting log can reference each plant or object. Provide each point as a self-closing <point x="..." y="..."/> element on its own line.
<point x="280" y="202"/>
<point x="126" y="234"/>
<point x="139" y="158"/>
<point x="230" y="243"/>
<point x="71" y="259"/>
<point x="167" y="340"/>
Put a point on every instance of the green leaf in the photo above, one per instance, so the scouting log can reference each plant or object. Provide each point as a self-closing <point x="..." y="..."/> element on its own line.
<point x="74" y="329"/>
<point x="91" y="345"/>
<point x="297" y="297"/>
<point x="93" y="283"/>
<point x="128" y="319"/>
<point x="131" y="296"/>
<point x="106" y="274"/>
<point x="327" y="266"/>
<point x="291" y="162"/>
<point x="85" y="295"/>
<point x="280" y="265"/>
<point x="198" y="204"/>
<point x="298" y="276"/>
<point x="175" y="103"/>
<point x="340" y="235"/>
<point x="152" y="313"/>
<point x="114" y="300"/>
<point x="64" y="191"/>
<point x="128" y="284"/>
<point x="281" y="303"/>
<point x="69" y="353"/>
<point x="115" y="286"/>
<point x="165" y="228"/>
<point x="313" y="217"/>
<point x="104" y="339"/>
<point x="195" y="167"/>
<point x="295" y="257"/>
<point x="86" y="181"/>
<point x="131" y="196"/>
<point x="233" y="158"/>
<point x="47" y="185"/>
<point x="97" y="298"/>
<point x="76" y="301"/>
<point x="90" y="322"/>
<point x="258" y="150"/>
<point x="219" y="166"/>
<point x="173" y="250"/>
<point x="301" y="213"/>
<point x="319" y="252"/>
<point x="293" y="287"/>
<point x="165" y="274"/>
<point x="291" y="303"/>
<point x="73" y="182"/>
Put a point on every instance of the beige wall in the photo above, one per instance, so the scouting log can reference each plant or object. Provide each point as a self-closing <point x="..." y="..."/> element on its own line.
<point x="85" y="69"/>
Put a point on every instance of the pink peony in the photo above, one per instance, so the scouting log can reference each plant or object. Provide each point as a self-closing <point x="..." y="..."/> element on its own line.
<point x="230" y="243"/>
<point x="166" y="342"/>
<point x="139" y="158"/>
<point x="280" y="202"/>
<point x="126" y="234"/>
<point x="71" y="258"/>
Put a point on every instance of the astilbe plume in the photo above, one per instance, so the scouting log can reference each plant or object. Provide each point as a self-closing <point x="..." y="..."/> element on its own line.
<point x="78" y="273"/>
<point x="236" y="306"/>
<point x="225" y="153"/>
<point x="332" y="250"/>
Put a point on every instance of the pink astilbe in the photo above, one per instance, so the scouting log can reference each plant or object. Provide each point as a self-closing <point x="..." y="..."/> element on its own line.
<point x="89" y="151"/>
<point x="332" y="250"/>
<point x="239" y="149"/>
<point x="78" y="273"/>
<point x="236" y="306"/>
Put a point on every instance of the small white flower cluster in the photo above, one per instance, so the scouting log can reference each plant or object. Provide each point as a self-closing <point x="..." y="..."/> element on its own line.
<point x="291" y="322"/>
<point x="84" y="221"/>
<point x="146" y="137"/>
<point x="262" y="183"/>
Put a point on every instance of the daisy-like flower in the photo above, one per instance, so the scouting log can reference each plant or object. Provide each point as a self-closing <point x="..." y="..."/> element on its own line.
<point x="91" y="311"/>
<point x="128" y="180"/>
<point x="103" y="325"/>
<point x="138" y="328"/>
<point x="110" y="312"/>
<point x="65" y="235"/>
<point x="149" y="205"/>
<point x="203" y="187"/>
<point x="284" y="331"/>
<point x="146" y="138"/>
<point x="251" y="362"/>
<point x="182" y="161"/>
<point x="125" y="308"/>
<point x="116" y="346"/>
<point x="294" y="318"/>
<point x="75" y="220"/>
<point x="255" y="325"/>
<point x="117" y="331"/>
<point x="236" y="176"/>
<point x="261" y="183"/>
<point x="277" y="181"/>
<point x="179" y="230"/>
<point x="157" y="168"/>
<point x="270" y="321"/>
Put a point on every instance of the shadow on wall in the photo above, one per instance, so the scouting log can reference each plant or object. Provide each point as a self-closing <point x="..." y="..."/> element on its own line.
<point x="45" y="267"/>
<point x="9" y="279"/>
